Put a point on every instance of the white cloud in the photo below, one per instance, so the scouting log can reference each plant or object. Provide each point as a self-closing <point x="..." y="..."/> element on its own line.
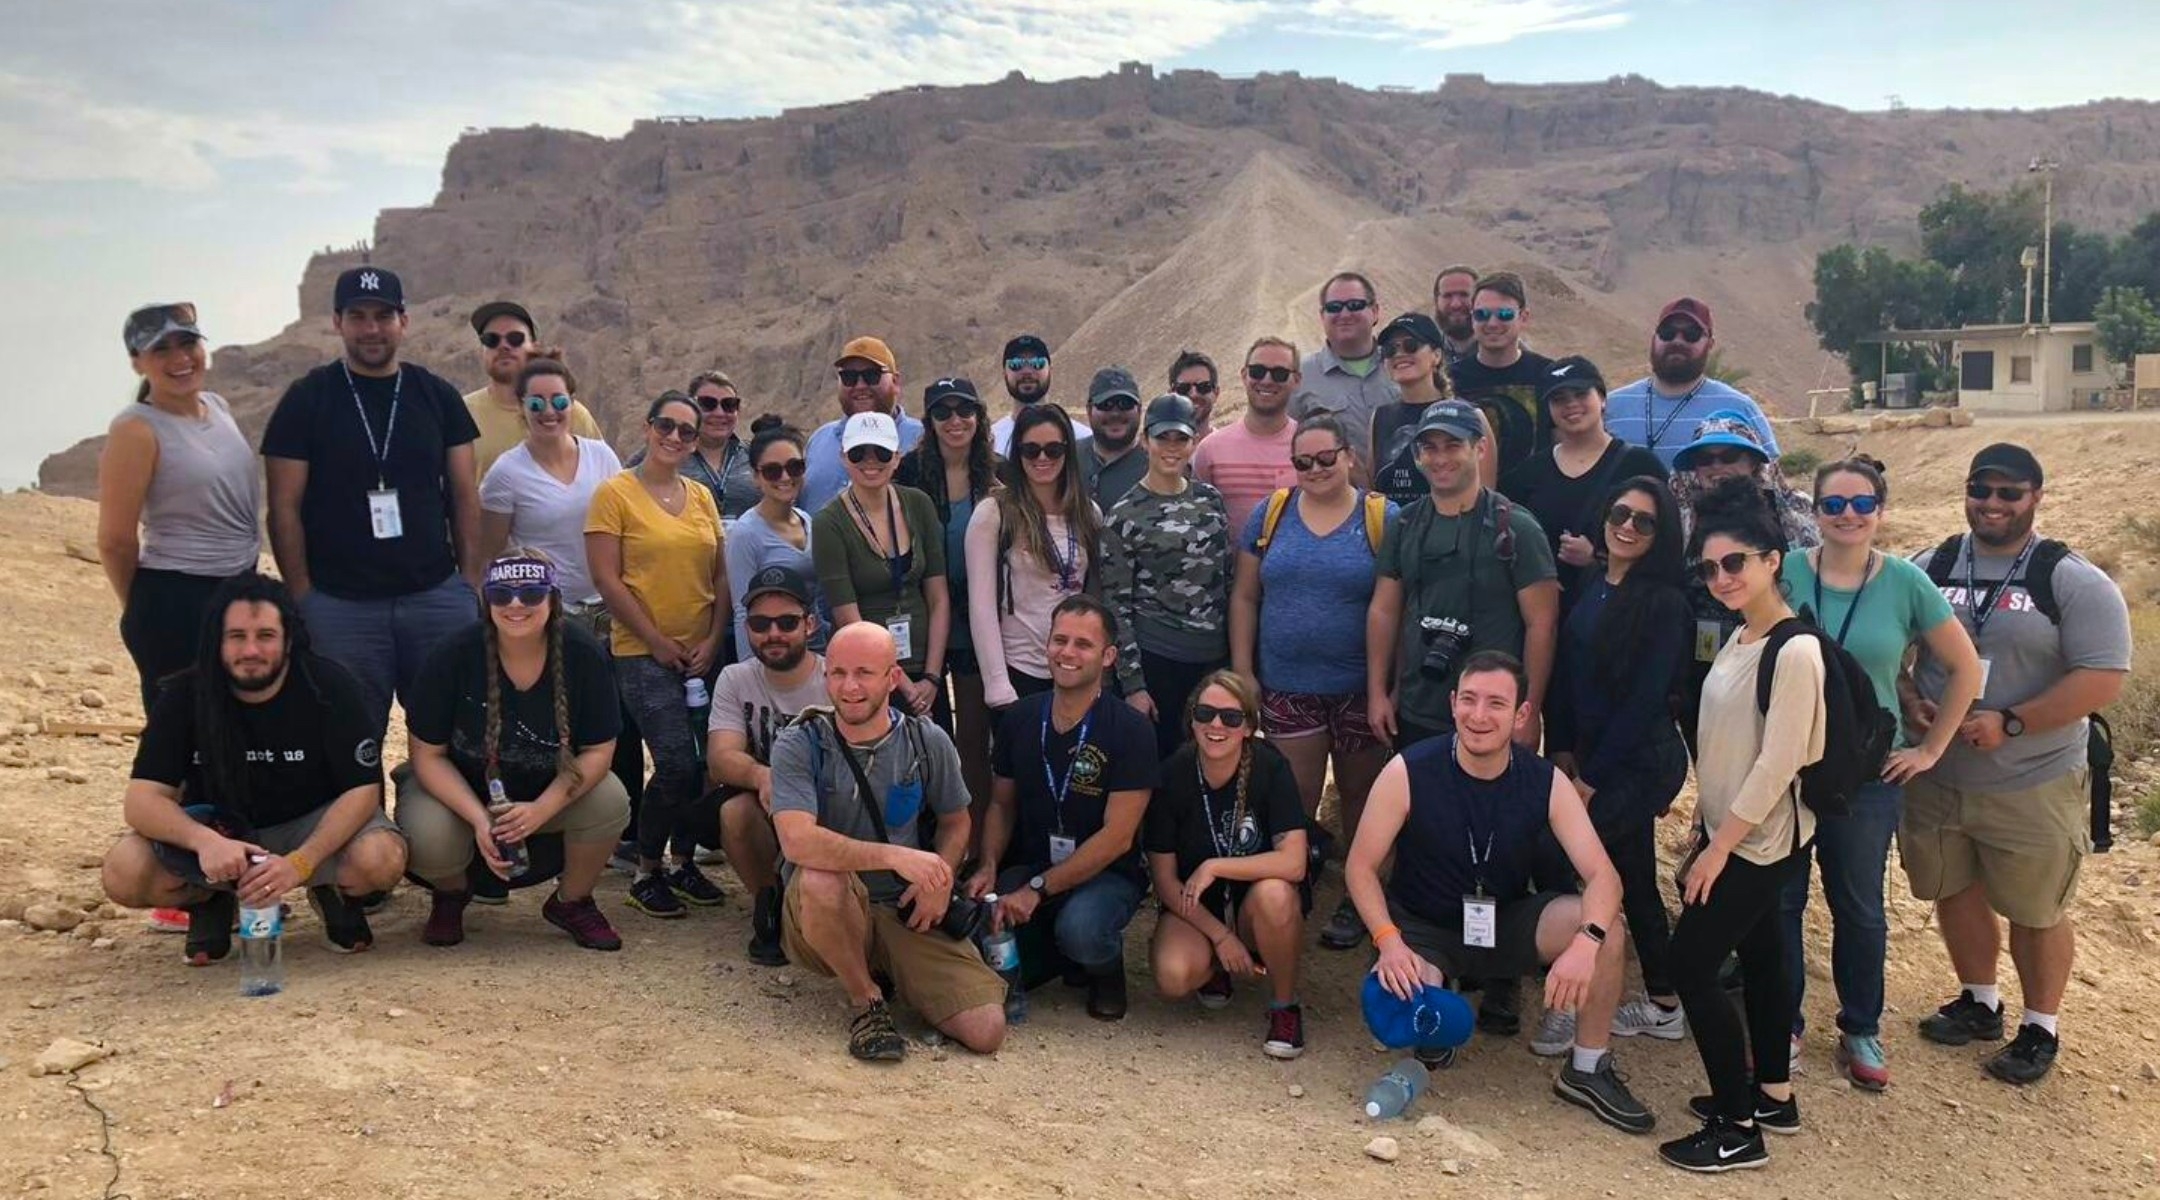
<point x="1434" y="26"/>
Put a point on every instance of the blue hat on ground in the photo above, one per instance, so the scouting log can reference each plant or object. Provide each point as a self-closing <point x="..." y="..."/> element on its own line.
<point x="1434" y="1019"/>
<point x="1723" y="428"/>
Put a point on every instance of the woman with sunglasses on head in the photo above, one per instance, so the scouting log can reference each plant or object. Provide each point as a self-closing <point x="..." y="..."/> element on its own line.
<point x="512" y="734"/>
<point x="1227" y="849"/>
<point x="880" y="555"/>
<point x="1751" y="828"/>
<point x="653" y="540"/>
<point x="1166" y="574"/>
<point x="1877" y="605"/>
<point x="719" y="461"/>
<point x="538" y="492"/>
<point x="1029" y="548"/>
<point x="773" y="532"/>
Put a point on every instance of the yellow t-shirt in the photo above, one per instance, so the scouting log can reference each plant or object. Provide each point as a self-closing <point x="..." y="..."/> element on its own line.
<point x="668" y="562"/>
<point x="502" y="428"/>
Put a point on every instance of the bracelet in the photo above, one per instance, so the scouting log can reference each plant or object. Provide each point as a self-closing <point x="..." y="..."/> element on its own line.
<point x="302" y="864"/>
<point x="1385" y="932"/>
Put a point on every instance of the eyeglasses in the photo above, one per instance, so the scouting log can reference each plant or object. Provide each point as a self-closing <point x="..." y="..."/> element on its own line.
<point x="946" y="410"/>
<point x="862" y="454"/>
<point x="670" y="428"/>
<point x="1690" y="334"/>
<point x="515" y="339"/>
<point x="793" y="469"/>
<point x="1054" y="451"/>
<point x="1621" y="514"/>
<point x="1731" y="564"/>
<point x="869" y="376"/>
<point x="1197" y="387"/>
<point x="1503" y="315"/>
<point x="2005" y="493"/>
<point x="1324" y="459"/>
<point x="1835" y="506"/>
<point x="531" y="595"/>
<point x="559" y="402"/>
<point x="723" y="403"/>
<point x="1332" y="307"/>
<point x="1114" y="404"/>
<point x="1721" y="458"/>
<point x="1257" y="372"/>
<point x="1231" y="718"/>
<point x="762" y="625"/>
<point x="1401" y="348"/>
<point x="1027" y="362"/>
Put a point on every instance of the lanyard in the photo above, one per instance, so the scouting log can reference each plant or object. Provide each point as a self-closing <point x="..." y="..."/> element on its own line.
<point x="895" y="562"/>
<point x="381" y="453"/>
<point x="1982" y="611"/>
<point x="1845" y="626"/>
<point x="1679" y="406"/>
<point x="1067" y="567"/>
<point x="1224" y="847"/>
<point x="1058" y="787"/>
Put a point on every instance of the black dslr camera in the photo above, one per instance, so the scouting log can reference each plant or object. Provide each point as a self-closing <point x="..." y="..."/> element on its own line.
<point x="1445" y="640"/>
<point x="962" y="917"/>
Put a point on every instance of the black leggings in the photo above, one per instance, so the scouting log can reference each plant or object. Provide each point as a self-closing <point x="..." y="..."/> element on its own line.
<point x="1625" y="812"/>
<point x="162" y="624"/>
<point x="1742" y="915"/>
<point x="1170" y="684"/>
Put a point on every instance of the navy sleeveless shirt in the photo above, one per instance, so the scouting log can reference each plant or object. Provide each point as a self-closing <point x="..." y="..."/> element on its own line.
<point x="1452" y="810"/>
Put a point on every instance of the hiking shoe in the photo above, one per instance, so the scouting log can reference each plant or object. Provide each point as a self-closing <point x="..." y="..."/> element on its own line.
<point x="2028" y="1058"/>
<point x="210" y="929"/>
<point x="1605" y="1093"/>
<point x="167" y="920"/>
<point x="1344" y="930"/>
<point x="765" y="948"/>
<point x="692" y="886"/>
<point x="488" y="887"/>
<point x="344" y="923"/>
<point x="872" y="1036"/>
<point x="1962" y="1021"/>
<point x="583" y="921"/>
<point x="1860" y="1060"/>
<point x="1648" y="1018"/>
<point x="1285" y="1032"/>
<point x="1718" y="1146"/>
<point x="1777" y="1116"/>
<point x="1106" y="1000"/>
<point x="651" y="895"/>
<point x="1555" y="1034"/>
<point x="1500" y="1011"/>
<point x="1214" y="995"/>
<point x="446" y="919"/>
<point x="1435" y="1058"/>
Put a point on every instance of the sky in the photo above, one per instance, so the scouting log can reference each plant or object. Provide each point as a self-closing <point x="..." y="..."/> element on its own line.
<point x="152" y="152"/>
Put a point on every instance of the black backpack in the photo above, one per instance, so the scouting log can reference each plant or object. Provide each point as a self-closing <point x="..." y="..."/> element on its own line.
<point x="1858" y="733"/>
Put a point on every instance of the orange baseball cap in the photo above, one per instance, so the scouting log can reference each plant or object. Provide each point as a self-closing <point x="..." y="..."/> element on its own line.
<point x="869" y="348"/>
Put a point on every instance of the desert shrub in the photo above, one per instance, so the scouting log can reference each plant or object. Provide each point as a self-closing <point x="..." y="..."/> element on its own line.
<point x="1799" y="464"/>
<point x="2142" y="533"/>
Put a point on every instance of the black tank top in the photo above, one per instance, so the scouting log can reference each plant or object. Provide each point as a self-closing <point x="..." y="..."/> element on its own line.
<point x="1452" y="810"/>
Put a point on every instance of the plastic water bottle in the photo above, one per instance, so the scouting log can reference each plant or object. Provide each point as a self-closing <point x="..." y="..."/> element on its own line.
<point x="513" y="853"/>
<point x="1002" y="951"/>
<point x="1393" y="1093"/>
<point x="695" y="693"/>
<point x="262" y="962"/>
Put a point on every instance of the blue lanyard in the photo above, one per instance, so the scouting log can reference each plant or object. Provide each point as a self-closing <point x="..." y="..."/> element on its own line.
<point x="1067" y="567"/>
<point x="1058" y="787"/>
<point x="1845" y="626"/>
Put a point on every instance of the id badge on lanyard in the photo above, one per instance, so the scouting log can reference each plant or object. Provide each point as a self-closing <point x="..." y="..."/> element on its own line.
<point x="1480" y="922"/>
<point x="902" y="629"/>
<point x="384" y="516"/>
<point x="1061" y="848"/>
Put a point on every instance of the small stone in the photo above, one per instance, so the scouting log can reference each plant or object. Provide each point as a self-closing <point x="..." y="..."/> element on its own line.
<point x="91" y="698"/>
<point x="89" y="931"/>
<point x="60" y="773"/>
<point x="395" y="1013"/>
<point x="100" y="666"/>
<point x="35" y="681"/>
<point x="1385" y="1149"/>
<point x="2151" y="1071"/>
<point x="108" y="911"/>
<point x="103" y="943"/>
<point x="784" y="979"/>
<point x="2116" y="1090"/>
<point x="1953" y="1104"/>
<point x="80" y="551"/>
<point x="1297" y="1091"/>
<point x="67" y="1055"/>
<point x="52" y="916"/>
<point x="1449" y="1166"/>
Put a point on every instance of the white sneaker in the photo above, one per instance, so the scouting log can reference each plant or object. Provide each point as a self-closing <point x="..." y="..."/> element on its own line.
<point x="1647" y="1019"/>
<point x="1555" y="1034"/>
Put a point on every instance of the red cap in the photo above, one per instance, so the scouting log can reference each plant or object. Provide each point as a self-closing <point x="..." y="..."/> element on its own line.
<point x="1689" y="307"/>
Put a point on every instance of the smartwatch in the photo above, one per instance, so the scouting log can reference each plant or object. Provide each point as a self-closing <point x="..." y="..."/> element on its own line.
<point x="2013" y="725"/>
<point x="1594" y="932"/>
<point x="1039" y="887"/>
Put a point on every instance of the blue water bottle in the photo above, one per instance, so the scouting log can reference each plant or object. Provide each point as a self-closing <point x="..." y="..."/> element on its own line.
<point x="262" y="961"/>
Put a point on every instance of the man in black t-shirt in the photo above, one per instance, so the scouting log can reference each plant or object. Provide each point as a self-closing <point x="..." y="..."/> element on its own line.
<point x="374" y="501"/>
<point x="1072" y="772"/>
<point x="258" y="772"/>
<point x="1502" y="377"/>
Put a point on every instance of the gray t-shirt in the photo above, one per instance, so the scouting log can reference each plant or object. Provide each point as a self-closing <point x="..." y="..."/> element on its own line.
<point x="745" y="701"/>
<point x="1329" y="386"/>
<point x="914" y="768"/>
<point x="2024" y="655"/>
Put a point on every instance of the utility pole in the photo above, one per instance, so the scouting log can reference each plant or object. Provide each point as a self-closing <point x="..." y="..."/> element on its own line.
<point x="2046" y="168"/>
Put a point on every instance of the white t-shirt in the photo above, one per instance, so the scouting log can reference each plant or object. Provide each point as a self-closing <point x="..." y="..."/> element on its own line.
<point x="548" y="514"/>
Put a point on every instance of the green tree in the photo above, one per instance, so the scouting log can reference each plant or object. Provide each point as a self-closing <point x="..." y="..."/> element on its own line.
<point x="2127" y="327"/>
<point x="1977" y="237"/>
<point x="1861" y="292"/>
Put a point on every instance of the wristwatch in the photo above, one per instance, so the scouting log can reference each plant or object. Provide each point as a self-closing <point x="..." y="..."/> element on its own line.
<point x="2013" y="725"/>
<point x="1039" y="887"/>
<point x="1595" y="932"/>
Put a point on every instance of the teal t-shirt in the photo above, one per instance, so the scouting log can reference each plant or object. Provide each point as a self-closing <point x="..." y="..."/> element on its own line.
<point x="1897" y="606"/>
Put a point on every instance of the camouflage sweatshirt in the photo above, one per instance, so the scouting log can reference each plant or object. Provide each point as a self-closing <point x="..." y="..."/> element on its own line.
<point x="1166" y="563"/>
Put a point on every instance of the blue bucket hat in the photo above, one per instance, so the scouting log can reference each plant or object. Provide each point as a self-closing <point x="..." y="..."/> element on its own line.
<point x="1723" y="428"/>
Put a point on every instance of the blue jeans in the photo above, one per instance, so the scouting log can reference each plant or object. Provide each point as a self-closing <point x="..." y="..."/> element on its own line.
<point x="384" y="642"/>
<point x="1853" y="850"/>
<point x="1087" y="923"/>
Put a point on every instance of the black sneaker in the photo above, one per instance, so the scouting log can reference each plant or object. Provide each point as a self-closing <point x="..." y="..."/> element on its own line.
<point x="2028" y="1058"/>
<point x="1961" y="1021"/>
<point x="1605" y="1093"/>
<point x="210" y="929"/>
<point x="1500" y="1012"/>
<point x="692" y="886"/>
<point x="1777" y="1116"/>
<point x="651" y="895"/>
<point x="765" y="949"/>
<point x="1435" y="1058"/>
<point x="872" y="1036"/>
<point x="1106" y="999"/>
<point x="1718" y="1146"/>
<point x="487" y="887"/>
<point x="344" y="923"/>
<point x="1344" y="930"/>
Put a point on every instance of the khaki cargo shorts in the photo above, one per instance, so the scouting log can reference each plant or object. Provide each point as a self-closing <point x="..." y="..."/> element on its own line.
<point x="931" y="973"/>
<point x="2024" y="847"/>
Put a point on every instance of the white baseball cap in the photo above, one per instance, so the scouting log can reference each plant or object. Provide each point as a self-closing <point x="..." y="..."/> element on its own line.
<point x="870" y="429"/>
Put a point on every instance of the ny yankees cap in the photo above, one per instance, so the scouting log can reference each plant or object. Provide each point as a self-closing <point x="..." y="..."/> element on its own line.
<point x="360" y="284"/>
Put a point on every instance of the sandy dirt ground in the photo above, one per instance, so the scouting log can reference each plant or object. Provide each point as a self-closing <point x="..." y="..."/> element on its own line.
<point x="518" y="1065"/>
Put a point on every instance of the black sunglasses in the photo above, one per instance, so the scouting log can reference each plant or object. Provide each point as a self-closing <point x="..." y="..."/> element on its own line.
<point x="1114" y="404"/>
<point x="1331" y="307"/>
<point x="785" y="623"/>
<point x="792" y="469"/>
<point x="531" y="595"/>
<point x="1835" y="506"/>
<point x="1721" y="458"/>
<point x="669" y="427"/>
<point x="1256" y="372"/>
<point x="1198" y="387"/>
<point x="946" y="410"/>
<point x="1621" y="514"/>
<point x="516" y="338"/>
<point x="723" y="403"/>
<point x="1054" y="451"/>
<point x="863" y="454"/>
<point x="1731" y="564"/>
<point x="1321" y="458"/>
<point x="869" y="376"/>
<point x="2008" y="494"/>
<point x="1231" y="718"/>
<point x="536" y="403"/>
<point x="1401" y="348"/>
<point x="1690" y="334"/>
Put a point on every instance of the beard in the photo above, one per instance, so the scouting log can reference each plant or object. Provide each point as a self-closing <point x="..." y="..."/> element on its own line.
<point x="1027" y="391"/>
<point x="1109" y="441"/>
<point x="254" y="681"/>
<point x="1672" y="369"/>
<point x="782" y="656"/>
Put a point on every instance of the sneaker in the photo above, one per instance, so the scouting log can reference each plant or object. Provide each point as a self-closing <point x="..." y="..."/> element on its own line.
<point x="1555" y="1034"/>
<point x="1860" y="1060"/>
<point x="625" y="858"/>
<point x="1961" y="1021"/>
<point x="872" y="1036"/>
<point x="583" y="921"/>
<point x="1604" y="1092"/>
<point x="1106" y="999"/>
<point x="488" y="887"/>
<point x="1648" y="1018"/>
<point x="344" y="923"/>
<point x="2028" y="1058"/>
<point x="446" y="919"/>
<point x="1344" y="930"/>
<point x="652" y="896"/>
<point x="210" y="929"/>
<point x="1777" y="1116"/>
<point x="692" y="886"/>
<point x="765" y="948"/>
<point x="709" y="856"/>
<point x="1285" y="1032"/>
<point x="1214" y="995"/>
<point x="167" y="920"/>
<point x="1718" y="1146"/>
<point x="373" y="902"/>
<point x="1500" y="1012"/>
<point x="1435" y="1058"/>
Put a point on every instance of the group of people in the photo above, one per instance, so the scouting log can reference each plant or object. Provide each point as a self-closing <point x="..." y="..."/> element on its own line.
<point x="924" y="678"/>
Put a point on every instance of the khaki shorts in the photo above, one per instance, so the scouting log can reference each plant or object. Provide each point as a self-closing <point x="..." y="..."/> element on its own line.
<point x="932" y="974"/>
<point x="2024" y="847"/>
<point x="442" y="843"/>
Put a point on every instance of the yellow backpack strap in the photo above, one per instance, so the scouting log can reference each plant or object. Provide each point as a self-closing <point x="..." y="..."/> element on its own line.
<point x="1276" y="503"/>
<point x="1375" y="519"/>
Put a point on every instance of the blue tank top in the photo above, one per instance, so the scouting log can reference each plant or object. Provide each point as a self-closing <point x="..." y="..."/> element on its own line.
<point x="1450" y="812"/>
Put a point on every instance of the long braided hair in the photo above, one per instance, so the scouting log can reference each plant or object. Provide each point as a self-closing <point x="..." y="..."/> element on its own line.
<point x="558" y="683"/>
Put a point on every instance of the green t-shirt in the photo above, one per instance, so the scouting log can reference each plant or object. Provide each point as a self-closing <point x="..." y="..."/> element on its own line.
<point x="1897" y="606"/>
<point x="1451" y="569"/>
<point x="852" y="571"/>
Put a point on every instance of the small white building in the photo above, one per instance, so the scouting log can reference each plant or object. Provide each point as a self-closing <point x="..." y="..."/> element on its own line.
<point x="2026" y="368"/>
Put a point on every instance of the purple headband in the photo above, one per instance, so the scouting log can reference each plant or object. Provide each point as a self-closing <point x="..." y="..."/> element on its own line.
<point x="520" y="572"/>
